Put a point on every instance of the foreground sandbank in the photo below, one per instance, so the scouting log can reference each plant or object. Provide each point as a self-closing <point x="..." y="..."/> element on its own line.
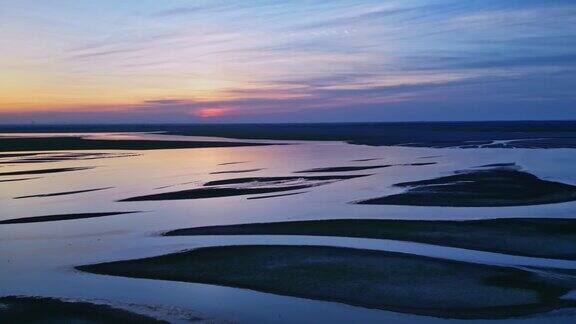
<point x="50" y="310"/>
<point x="375" y="279"/>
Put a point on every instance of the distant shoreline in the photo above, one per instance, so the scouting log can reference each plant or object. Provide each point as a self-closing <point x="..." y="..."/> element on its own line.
<point x="472" y="134"/>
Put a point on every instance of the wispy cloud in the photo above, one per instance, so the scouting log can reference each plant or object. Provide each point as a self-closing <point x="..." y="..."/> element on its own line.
<point x="269" y="57"/>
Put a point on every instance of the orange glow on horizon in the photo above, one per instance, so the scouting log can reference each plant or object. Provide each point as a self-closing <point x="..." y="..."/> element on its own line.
<point x="212" y="112"/>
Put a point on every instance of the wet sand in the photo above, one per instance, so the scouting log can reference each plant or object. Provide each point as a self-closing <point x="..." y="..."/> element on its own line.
<point x="50" y="310"/>
<point x="231" y="163"/>
<point x="203" y="193"/>
<point x="281" y="179"/>
<point x="21" y="179"/>
<point x="13" y="155"/>
<point x="274" y="196"/>
<point x="44" y="171"/>
<point x="236" y="171"/>
<point x="496" y="187"/>
<point x="62" y="217"/>
<point x="79" y="143"/>
<point x="492" y="134"/>
<point x="257" y="185"/>
<point x="359" y="168"/>
<point x="374" y="279"/>
<point x="345" y="168"/>
<point x="533" y="237"/>
<point x="366" y="160"/>
<point x="64" y="193"/>
<point x="60" y="157"/>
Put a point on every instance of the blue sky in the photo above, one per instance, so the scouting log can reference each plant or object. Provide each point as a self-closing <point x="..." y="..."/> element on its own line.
<point x="286" y="61"/>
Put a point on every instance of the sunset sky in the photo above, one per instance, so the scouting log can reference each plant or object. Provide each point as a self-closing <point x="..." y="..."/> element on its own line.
<point x="77" y="61"/>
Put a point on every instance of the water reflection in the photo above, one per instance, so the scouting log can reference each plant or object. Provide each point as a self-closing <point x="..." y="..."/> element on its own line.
<point x="37" y="258"/>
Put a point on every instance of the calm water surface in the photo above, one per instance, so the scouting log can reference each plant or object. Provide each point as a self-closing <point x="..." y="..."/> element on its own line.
<point x="38" y="258"/>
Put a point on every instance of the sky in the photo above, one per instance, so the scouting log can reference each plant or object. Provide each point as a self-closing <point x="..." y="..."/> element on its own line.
<point x="150" y="61"/>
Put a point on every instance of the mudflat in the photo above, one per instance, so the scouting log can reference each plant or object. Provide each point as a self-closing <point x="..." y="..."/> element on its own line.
<point x="244" y="186"/>
<point x="203" y="193"/>
<point x="44" y="171"/>
<point x="375" y="279"/>
<point x="345" y="168"/>
<point x="50" y="310"/>
<point x="62" y="193"/>
<point x="235" y="181"/>
<point x="60" y="217"/>
<point x="534" y="237"/>
<point x="236" y="171"/>
<point x="493" y="187"/>
<point x="79" y="143"/>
